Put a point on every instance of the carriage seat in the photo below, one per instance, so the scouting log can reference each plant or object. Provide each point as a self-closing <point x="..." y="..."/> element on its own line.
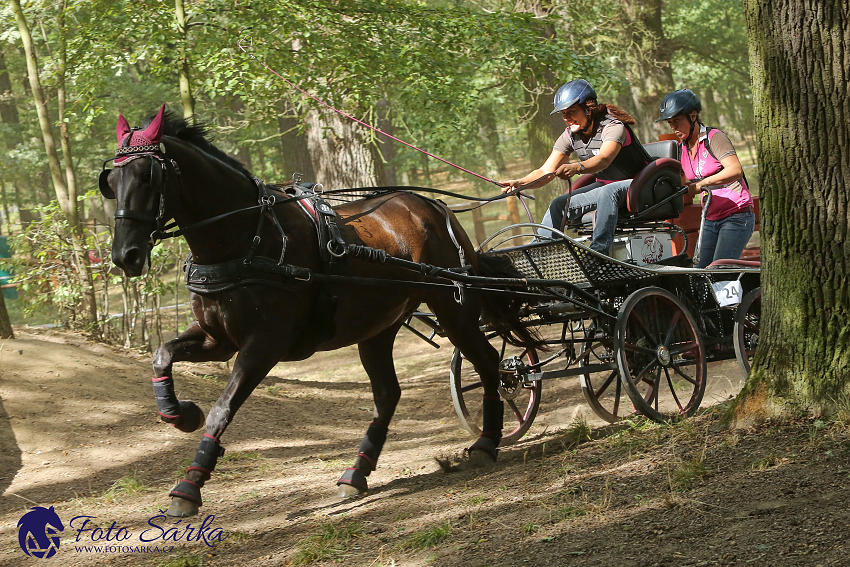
<point x="660" y="179"/>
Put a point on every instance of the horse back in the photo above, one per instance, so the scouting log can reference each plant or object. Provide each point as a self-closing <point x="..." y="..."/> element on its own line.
<point x="406" y="225"/>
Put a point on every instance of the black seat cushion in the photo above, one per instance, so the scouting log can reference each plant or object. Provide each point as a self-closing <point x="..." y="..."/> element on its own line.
<point x="664" y="149"/>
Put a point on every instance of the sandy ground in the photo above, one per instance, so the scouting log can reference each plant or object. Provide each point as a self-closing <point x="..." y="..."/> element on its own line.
<point x="79" y="432"/>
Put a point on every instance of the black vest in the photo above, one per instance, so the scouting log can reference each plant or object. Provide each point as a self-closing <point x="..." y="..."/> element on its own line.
<point x="629" y="161"/>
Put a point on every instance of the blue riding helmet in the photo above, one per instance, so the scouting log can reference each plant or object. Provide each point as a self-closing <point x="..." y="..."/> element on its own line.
<point x="678" y="102"/>
<point x="574" y="92"/>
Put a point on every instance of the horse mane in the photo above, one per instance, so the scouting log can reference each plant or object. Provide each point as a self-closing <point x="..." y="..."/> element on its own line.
<point x="198" y="135"/>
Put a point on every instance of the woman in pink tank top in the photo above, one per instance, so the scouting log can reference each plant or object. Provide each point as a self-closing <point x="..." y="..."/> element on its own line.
<point x="709" y="163"/>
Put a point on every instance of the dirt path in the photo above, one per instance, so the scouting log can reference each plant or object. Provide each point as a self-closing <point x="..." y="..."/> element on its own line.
<point x="79" y="431"/>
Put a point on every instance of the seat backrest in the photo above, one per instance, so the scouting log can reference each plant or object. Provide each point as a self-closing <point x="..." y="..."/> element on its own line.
<point x="655" y="183"/>
<point x="664" y="149"/>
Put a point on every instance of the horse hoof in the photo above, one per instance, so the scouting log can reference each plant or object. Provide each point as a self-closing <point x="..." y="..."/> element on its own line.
<point x="348" y="491"/>
<point x="181" y="508"/>
<point x="191" y="417"/>
<point x="479" y="459"/>
<point x="352" y="483"/>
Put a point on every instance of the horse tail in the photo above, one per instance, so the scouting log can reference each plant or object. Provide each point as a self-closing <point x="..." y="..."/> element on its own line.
<point x="501" y="312"/>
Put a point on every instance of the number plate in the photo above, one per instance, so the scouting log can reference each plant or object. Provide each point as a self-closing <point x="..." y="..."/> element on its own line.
<point x="728" y="294"/>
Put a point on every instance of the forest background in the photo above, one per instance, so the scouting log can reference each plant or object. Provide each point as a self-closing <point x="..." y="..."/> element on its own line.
<point x="471" y="82"/>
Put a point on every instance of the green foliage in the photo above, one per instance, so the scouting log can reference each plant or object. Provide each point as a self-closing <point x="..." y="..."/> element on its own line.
<point x="51" y="280"/>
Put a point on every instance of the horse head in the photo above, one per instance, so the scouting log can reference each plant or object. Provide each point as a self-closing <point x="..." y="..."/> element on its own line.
<point x="137" y="182"/>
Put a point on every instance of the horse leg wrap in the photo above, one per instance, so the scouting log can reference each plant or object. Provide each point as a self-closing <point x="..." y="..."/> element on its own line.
<point x="494" y="409"/>
<point x="370" y="447"/>
<point x="184" y="415"/>
<point x="355" y="478"/>
<point x="205" y="460"/>
<point x="491" y="433"/>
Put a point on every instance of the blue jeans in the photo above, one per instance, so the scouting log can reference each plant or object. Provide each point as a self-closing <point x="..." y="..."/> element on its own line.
<point x="606" y="200"/>
<point x="725" y="239"/>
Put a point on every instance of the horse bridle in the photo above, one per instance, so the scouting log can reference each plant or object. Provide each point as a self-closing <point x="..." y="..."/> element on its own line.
<point x="158" y="181"/>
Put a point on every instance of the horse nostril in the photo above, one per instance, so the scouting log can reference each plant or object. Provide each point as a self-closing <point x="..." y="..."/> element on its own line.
<point x="131" y="257"/>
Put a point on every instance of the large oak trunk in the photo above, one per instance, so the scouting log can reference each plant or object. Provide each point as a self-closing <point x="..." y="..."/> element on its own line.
<point x="800" y="54"/>
<point x="342" y="152"/>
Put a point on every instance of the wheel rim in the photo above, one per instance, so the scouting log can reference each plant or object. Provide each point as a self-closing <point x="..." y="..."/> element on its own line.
<point x="660" y="355"/>
<point x="747" y="323"/>
<point x="603" y="391"/>
<point x="522" y="400"/>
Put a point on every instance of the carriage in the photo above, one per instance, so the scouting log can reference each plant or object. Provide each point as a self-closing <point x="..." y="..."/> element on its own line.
<point x="637" y="328"/>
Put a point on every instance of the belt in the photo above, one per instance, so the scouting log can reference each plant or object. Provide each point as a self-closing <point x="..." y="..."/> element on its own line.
<point x="747" y="210"/>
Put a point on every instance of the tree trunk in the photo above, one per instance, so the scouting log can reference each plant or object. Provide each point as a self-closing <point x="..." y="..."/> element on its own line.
<point x="800" y="53"/>
<point x="386" y="145"/>
<point x="342" y="151"/>
<point x="67" y="200"/>
<point x="293" y="144"/>
<point x="9" y="115"/>
<point x="6" y="331"/>
<point x="68" y="206"/>
<point x="186" y="97"/>
<point x="647" y="64"/>
<point x="542" y="130"/>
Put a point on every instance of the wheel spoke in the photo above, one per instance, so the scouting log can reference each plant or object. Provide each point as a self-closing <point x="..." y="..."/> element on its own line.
<point x="751" y="326"/>
<point x="517" y="413"/>
<point x="673" y="323"/>
<point x="652" y="394"/>
<point x="679" y="372"/>
<point x="640" y="326"/>
<point x="470" y="387"/>
<point x="636" y="348"/>
<point x="616" y="398"/>
<point x="673" y="390"/>
<point x="646" y="368"/>
<point x="605" y="384"/>
<point x="682" y="349"/>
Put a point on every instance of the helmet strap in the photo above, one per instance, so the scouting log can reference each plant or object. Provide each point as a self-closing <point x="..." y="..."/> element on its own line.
<point x="585" y="131"/>
<point x="691" y="132"/>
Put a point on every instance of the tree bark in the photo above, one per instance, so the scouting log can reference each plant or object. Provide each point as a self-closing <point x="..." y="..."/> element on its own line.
<point x="386" y="145"/>
<point x="648" y="66"/>
<point x="800" y="54"/>
<point x="293" y="144"/>
<point x="542" y="130"/>
<point x="186" y="97"/>
<point x="6" y="331"/>
<point x="343" y="153"/>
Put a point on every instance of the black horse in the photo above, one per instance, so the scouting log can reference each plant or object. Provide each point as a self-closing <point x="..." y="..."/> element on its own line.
<point x="255" y="272"/>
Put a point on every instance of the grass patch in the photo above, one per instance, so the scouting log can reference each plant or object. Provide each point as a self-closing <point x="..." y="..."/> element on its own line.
<point x="127" y="485"/>
<point x="688" y="473"/>
<point x="770" y="460"/>
<point x="577" y="432"/>
<point x="570" y="511"/>
<point x="328" y="543"/>
<point x="273" y="390"/>
<point x="428" y="538"/>
<point x="239" y="457"/>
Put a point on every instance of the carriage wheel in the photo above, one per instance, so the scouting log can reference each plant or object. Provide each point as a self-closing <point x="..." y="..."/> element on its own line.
<point x="522" y="399"/>
<point x="747" y="322"/>
<point x="604" y="390"/>
<point x="660" y="355"/>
